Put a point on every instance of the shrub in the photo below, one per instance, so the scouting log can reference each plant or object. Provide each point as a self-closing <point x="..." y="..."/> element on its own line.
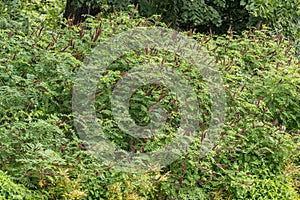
<point x="256" y="157"/>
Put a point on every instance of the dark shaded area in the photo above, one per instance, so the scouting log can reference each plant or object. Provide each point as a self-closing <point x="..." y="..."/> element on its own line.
<point x="77" y="12"/>
<point x="234" y="16"/>
<point x="231" y="14"/>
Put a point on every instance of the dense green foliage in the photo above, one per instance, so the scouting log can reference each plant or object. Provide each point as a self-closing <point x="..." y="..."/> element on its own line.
<point x="25" y="14"/>
<point x="257" y="156"/>
<point x="10" y="190"/>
